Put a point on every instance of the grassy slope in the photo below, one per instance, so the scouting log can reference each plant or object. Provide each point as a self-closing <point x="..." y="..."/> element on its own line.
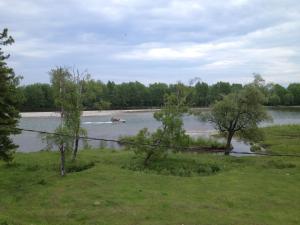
<point x="249" y="190"/>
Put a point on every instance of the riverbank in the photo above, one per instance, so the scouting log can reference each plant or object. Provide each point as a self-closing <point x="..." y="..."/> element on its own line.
<point x="104" y="188"/>
<point x="86" y="113"/>
<point x="116" y="112"/>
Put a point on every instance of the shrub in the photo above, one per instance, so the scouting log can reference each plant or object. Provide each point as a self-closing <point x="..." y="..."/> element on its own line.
<point x="175" y="167"/>
<point x="77" y="166"/>
<point x="255" y="148"/>
<point x="279" y="164"/>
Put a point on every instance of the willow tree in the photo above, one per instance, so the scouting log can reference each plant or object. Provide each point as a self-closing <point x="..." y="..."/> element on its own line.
<point x="9" y="102"/>
<point x="238" y="112"/>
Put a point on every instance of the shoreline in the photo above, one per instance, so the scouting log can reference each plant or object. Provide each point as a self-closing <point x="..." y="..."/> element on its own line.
<point x="86" y="113"/>
<point x="121" y="111"/>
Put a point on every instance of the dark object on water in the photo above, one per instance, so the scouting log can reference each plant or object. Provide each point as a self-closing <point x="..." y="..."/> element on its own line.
<point x="113" y="119"/>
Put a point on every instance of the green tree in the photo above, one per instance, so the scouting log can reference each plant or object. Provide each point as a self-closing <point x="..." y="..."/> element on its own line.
<point x="294" y="89"/>
<point x="201" y="94"/>
<point x="238" y="112"/>
<point x="9" y="103"/>
<point x="218" y="91"/>
<point x="68" y="96"/>
<point x="279" y="91"/>
<point x="60" y="78"/>
<point x="94" y="94"/>
<point x="274" y="100"/>
<point x="169" y="136"/>
<point x="236" y="87"/>
<point x="37" y="97"/>
<point x="288" y="99"/>
<point x="73" y="107"/>
<point x="157" y="91"/>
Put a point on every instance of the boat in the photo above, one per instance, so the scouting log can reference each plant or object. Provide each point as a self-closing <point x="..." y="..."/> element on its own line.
<point x="117" y="120"/>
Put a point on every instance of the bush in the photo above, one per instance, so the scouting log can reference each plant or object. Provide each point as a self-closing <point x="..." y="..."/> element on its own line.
<point x="206" y="143"/>
<point x="175" y="167"/>
<point x="255" y="148"/>
<point x="279" y="164"/>
<point x="77" y="166"/>
<point x="42" y="182"/>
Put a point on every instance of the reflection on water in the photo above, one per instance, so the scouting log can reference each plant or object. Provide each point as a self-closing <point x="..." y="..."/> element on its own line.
<point x="101" y="127"/>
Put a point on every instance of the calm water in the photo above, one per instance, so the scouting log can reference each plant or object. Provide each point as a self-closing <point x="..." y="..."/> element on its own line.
<point x="134" y="122"/>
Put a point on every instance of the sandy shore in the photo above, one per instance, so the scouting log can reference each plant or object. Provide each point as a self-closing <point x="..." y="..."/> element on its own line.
<point x="86" y="113"/>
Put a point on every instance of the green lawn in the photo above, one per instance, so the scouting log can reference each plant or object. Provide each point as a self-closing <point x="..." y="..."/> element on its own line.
<point x="247" y="190"/>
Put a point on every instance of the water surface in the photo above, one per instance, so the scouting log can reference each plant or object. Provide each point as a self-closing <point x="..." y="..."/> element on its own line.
<point x="100" y="127"/>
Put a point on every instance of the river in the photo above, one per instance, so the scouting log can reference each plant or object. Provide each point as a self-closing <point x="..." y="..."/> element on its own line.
<point x="99" y="126"/>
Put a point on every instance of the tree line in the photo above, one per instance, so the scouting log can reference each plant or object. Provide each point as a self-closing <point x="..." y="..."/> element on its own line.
<point x="99" y="95"/>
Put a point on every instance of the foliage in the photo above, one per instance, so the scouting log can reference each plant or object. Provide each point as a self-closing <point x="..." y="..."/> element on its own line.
<point x="238" y="112"/>
<point x="294" y="90"/>
<point x="98" y="95"/>
<point x="170" y="136"/>
<point x="67" y="91"/>
<point x="78" y="166"/>
<point x="61" y="136"/>
<point x="202" y="142"/>
<point x="9" y="102"/>
<point x="148" y="145"/>
<point x="37" y="97"/>
<point x="176" y="166"/>
<point x="171" y="133"/>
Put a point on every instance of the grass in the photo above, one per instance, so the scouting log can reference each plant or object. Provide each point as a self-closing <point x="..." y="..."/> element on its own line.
<point x="102" y="187"/>
<point x="282" y="139"/>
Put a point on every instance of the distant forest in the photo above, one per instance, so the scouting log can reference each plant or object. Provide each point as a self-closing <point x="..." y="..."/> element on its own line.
<point x="98" y="95"/>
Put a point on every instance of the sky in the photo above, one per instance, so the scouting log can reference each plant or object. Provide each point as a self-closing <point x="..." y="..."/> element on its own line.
<point x="155" y="40"/>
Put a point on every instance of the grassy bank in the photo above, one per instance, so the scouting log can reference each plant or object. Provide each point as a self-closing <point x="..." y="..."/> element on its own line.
<point x="106" y="189"/>
<point x="282" y="139"/>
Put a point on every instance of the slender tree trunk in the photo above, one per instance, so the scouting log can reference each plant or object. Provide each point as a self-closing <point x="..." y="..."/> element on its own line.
<point x="75" y="148"/>
<point x="62" y="147"/>
<point x="228" y="144"/>
<point x="62" y="160"/>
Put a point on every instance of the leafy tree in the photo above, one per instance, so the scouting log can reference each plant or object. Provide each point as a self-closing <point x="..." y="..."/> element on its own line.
<point x="60" y="79"/>
<point x="236" y="87"/>
<point x="201" y="94"/>
<point x="288" y="99"/>
<point x="172" y="133"/>
<point x="62" y="138"/>
<point x="38" y="97"/>
<point x="68" y="96"/>
<point x="279" y="91"/>
<point x="274" y="100"/>
<point x="9" y="103"/>
<point x="294" y="89"/>
<point x="169" y="136"/>
<point x="157" y="91"/>
<point x="238" y="112"/>
<point x="148" y="145"/>
<point x="218" y="90"/>
<point x="94" y="94"/>
<point x="73" y="109"/>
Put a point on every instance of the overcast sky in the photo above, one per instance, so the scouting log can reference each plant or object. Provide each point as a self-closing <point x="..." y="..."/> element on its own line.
<point x="155" y="40"/>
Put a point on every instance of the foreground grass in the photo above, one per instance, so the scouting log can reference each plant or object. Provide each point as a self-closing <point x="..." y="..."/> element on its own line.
<point x="247" y="190"/>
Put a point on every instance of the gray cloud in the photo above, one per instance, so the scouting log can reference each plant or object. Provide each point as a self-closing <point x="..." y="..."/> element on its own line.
<point x="159" y="40"/>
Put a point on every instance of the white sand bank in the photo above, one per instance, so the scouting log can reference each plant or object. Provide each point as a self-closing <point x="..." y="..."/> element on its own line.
<point x="86" y="113"/>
